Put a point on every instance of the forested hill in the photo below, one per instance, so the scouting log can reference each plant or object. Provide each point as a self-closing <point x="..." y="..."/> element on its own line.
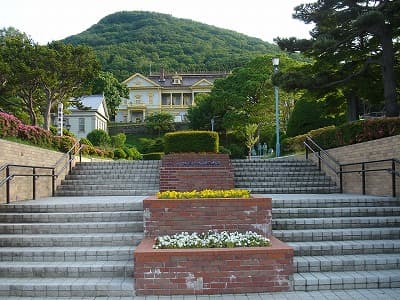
<point x="129" y="42"/>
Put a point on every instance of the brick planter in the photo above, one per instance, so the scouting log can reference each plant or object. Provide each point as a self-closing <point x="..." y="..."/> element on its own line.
<point x="196" y="171"/>
<point x="169" y="216"/>
<point x="212" y="271"/>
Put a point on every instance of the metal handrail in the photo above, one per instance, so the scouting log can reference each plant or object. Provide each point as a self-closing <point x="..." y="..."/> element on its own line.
<point x="34" y="176"/>
<point x="340" y="166"/>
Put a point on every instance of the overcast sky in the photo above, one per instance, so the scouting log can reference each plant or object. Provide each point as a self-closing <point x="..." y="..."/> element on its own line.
<point x="48" y="20"/>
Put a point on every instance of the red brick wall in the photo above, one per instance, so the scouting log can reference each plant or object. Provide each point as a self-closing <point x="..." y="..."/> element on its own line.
<point x="169" y="216"/>
<point x="195" y="171"/>
<point x="212" y="271"/>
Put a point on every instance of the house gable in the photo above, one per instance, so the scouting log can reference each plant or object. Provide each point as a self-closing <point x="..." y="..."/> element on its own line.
<point x="202" y="83"/>
<point x="139" y="81"/>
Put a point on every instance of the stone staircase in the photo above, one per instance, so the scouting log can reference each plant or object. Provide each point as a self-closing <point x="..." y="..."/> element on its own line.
<point x="283" y="175"/>
<point x="69" y="247"/>
<point x="340" y="241"/>
<point x="116" y="178"/>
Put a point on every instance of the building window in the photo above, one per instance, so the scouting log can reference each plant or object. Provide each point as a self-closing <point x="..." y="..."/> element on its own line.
<point x="187" y="99"/>
<point x="151" y="98"/>
<point x="82" y="124"/>
<point x="138" y="99"/>
<point x="166" y="99"/>
<point x="176" y="99"/>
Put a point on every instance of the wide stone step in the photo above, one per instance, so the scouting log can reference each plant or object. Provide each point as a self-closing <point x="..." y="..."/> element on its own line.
<point x="121" y="182"/>
<point x="346" y="280"/>
<point x="79" y="240"/>
<point x="68" y="254"/>
<point x="87" y="193"/>
<point x="344" y="234"/>
<point x="283" y="184"/>
<point x="67" y="287"/>
<point x="108" y="186"/>
<point x="96" y="216"/>
<point x="58" y="228"/>
<point x="331" y="201"/>
<point x="113" y="176"/>
<point x="347" y="247"/>
<point x="333" y="223"/>
<point x="340" y="263"/>
<point x="281" y="213"/>
<point x="116" y="171"/>
<point x="295" y="190"/>
<point x="79" y="269"/>
<point x="316" y="178"/>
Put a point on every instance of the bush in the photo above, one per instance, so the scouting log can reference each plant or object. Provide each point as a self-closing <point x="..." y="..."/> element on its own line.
<point x="153" y="156"/>
<point x="237" y="151"/>
<point x="191" y="141"/>
<point x="135" y="154"/>
<point x="119" y="153"/>
<point x="118" y="140"/>
<point x="85" y="141"/>
<point x="99" y="137"/>
<point x="346" y="134"/>
<point x="224" y="150"/>
<point x="148" y="145"/>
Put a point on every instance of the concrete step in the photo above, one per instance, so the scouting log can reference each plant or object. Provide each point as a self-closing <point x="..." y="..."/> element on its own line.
<point x="109" y="186"/>
<point x="96" y="180"/>
<point x="316" y="178"/>
<point x="75" y="228"/>
<point x="346" y="280"/>
<point x="277" y="169"/>
<point x="78" y="269"/>
<point x="313" y="212"/>
<point x="348" y="247"/>
<point x="70" y="240"/>
<point x="95" y="216"/>
<point x="116" y="171"/>
<point x="331" y="201"/>
<point x="280" y="173"/>
<point x="283" y="184"/>
<point x="295" y="190"/>
<point x="334" y="223"/>
<point x="343" y="234"/>
<point x="66" y="254"/>
<point x="340" y="263"/>
<point x="67" y="287"/>
<point x="87" y="193"/>
<point x="113" y="176"/>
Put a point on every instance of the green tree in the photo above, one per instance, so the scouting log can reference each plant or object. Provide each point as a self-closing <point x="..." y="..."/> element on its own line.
<point x="200" y="115"/>
<point x="99" y="137"/>
<point x="160" y="122"/>
<point x="113" y="90"/>
<point x="349" y="39"/>
<point x="250" y="136"/>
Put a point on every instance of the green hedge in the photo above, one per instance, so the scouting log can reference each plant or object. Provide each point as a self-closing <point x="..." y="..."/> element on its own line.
<point x="153" y="156"/>
<point x="191" y="141"/>
<point x="346" y="134"/>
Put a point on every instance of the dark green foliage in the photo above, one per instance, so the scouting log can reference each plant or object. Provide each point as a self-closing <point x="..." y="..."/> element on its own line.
<point x="132" y="153"/>
<point x="118" y="140"/>
<point x="237" y="151"/>
<point x="85" y="141"/>
<point x="160" y="122"/>
<point x="119" y="153"/>
<point x="306" y="116"/>
<point x="99" y="137"/>
<point x="224" y="150"/>
<point x="153" y="156"/>
<point x="129" y="42"/>
<point x="191" y="141"/>
<point x="347" y="134"/>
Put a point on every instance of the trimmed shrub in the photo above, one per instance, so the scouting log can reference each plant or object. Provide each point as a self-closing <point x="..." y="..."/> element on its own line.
<point x="191" y="141"/>
<point x="118" y="140"/>
<point x="153" y="156"/>
<point x="85" y="141"/>
<point x="237" y="151"/>
<point x="346" y="134"/>
<point x="99" y="137"/>
<point x="135" y="153"/>
<point x="224" y="150"/>
<point x="119" y="153"/>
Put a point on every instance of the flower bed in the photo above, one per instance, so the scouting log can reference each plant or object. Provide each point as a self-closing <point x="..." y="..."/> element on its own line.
<point x="212" y="270"/>
<point x="204" y="194"/>
<point x="170" y="216"/>
<point x="211" y="239"/>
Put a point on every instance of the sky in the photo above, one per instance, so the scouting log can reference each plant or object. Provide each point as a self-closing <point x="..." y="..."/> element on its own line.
<point x="48" y="20"/>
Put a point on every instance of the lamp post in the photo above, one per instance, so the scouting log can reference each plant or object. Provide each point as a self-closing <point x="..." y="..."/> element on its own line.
<point x="212" y="124"/>
<point x="275" y="63"/>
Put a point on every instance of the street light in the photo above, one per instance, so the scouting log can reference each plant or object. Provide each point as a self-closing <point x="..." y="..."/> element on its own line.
<point x="212" y="124"/>
<point x="275" y="63"/>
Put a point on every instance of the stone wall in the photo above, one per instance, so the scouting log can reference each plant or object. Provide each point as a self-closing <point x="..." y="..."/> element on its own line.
<point x="377" y="183"/>
<point x="169" y="216"/>
<point x="21" y="187"/>
<point x="194" y="171"/>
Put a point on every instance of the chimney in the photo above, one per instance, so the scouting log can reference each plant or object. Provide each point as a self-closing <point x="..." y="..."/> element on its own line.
<point x="162" y="75"/>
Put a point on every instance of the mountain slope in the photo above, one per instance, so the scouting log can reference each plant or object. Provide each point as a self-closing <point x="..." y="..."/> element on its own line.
<point x="128" y="42"/>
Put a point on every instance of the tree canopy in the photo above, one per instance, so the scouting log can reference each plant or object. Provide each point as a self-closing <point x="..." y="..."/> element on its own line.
<point x="354" y="46"/>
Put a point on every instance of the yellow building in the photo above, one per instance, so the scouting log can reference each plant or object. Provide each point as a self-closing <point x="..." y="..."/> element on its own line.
<point x="170" y="93"/>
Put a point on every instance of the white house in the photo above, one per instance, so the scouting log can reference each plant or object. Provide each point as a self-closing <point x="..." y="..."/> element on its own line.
<point x="171" y="93"/>
<point x="92" y="115"/>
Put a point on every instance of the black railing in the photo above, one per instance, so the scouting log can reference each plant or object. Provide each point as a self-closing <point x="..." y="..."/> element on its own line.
<point x="10" y="175"/>
<point x="338" y="168"/>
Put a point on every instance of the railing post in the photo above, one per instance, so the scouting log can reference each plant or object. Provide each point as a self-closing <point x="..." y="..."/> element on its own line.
<point x="80" y="151"/>
<point x="53" y="181"/>
<point x="341" y="178"/>
<point x="319" y="160"/>
<point x="34" y="184"/>
<point x="70" y="162"/>
<point x="363" y="178"/>
<point x="8" y="184"/>
<point x="306" y="152"/>
<point x="393" y="178"/>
